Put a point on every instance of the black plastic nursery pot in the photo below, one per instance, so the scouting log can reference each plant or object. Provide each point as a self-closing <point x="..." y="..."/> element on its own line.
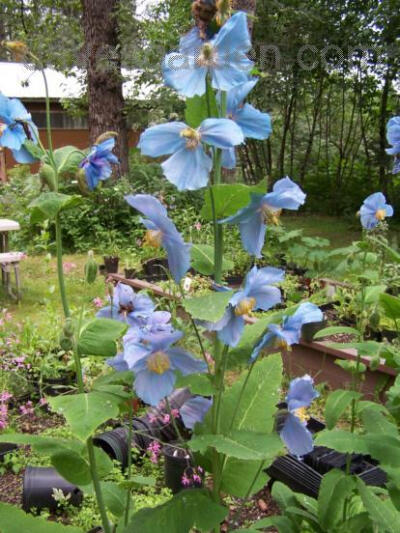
<point x="176" y="463"/>
<point x="130" y="273"/>
<point x="5" y="448"/>
<point x="98" y="529"/>
<point x="38" y="486"/>
<point x="309" y="330"/>
<point x="156" y="269"/>
<point x="111" y="264"/>
<point x="56" y="386"/>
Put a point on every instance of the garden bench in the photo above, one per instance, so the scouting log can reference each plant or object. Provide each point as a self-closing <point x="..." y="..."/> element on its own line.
<point x="10" y="261"/>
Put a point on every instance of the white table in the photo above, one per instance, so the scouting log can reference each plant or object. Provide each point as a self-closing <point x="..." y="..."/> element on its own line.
<point x="6" y="226"/>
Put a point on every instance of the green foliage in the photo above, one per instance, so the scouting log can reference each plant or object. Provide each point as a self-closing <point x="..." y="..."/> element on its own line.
<point x="50" y="204"/>
<point x="188" y="509"/>
<point x="210" y="307"/>
<point x="338" y="401"/>
<point x="13" y="519"/>
<point x="99" y="337"/>
<point x="228" y="199"/>
<point x="203" y="259"/>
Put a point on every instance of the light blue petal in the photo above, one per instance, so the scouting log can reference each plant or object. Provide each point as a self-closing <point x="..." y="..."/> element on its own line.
<point x="221" y="132"/>
<point x="254" y="123"/>
<point x="252" y="233"/>
<point x="229" y="74"/>
<point x="234" y="36"/>
<point x="23" y="156"/>
<point x="285" y="195"/>
<point x="301" y="393"/>
<point x="143" y="306"/>
<point x="230" y="334"/>
<point x="393" y="135"/>
<point x="178" y="257"/>
<point x="307" y="312"/>
<point x="152" y="387"/>
<point x="162" y="139"/>
<point x="123" y="295"/>
<point x="396" y="166"/>
<point x="245" y="214"/>
<point x="184" y="362"/>
<point x="236" y="96"/>
<point x="149" y="206"/>
<point x="134" y="353"/>
<point x="229" y="158"/>
<point x="194" y="410"/>
<point x="296" y="436"/>
<point x="182" y="73"/>
<point x="191" y="42"/>
<point x="17" y="111"/>
<point x="111" y="312"/>
<point x="118" y="363"/>
<point x="258" y="278"/>
<point x="13" y="137"/>
<point x="188" y="170"/>
<point x="264" y="342"/>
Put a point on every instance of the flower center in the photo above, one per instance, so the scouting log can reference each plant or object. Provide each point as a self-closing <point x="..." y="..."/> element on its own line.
<point x="380" y="214"/>
<point x="153" y="238"/>
<point x="281" y="344"/>
<point x="2" y="128"/>
<point x="192" y="137"/>
<point x="271" y="215"/>
<point x="301" y="414"/>
<point x="245" y="306"/>
<point x="158" y="362"/>
<point x="207" y="56"/>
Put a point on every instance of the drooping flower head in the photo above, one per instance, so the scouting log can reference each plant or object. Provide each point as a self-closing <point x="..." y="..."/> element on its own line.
<point x="294" y="432"/>
<point x="393" y="137"/>
<point x="374" y="210"/>
<point x="257" y="293"/>
<point x="97" y="164"/>
<point x="161" y="231"/>
<point x="253" y="123"/>
<point x="189" y="166"/>
<point x="155" y="365"/>
<point x="289" y="332"/>
<point x="223" y="58"/>
<point x="194" y="410"/>
<point x="127" y="306"/>
<point x="16" y="127"/>
<point x="253" y="219"/>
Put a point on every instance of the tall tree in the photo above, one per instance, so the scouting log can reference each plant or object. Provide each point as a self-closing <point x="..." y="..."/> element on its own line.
<point x="104" y="79"/>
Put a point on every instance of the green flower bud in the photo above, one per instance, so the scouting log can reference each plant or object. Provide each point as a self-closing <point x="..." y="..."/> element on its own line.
<point x="91" y="268"/>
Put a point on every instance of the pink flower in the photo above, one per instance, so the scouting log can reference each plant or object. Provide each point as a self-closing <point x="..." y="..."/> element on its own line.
<point x="198" y="226"/>
<point x="175" y="413"/>
<point x="68" y="267"/>
<point x="42" y="402"/>
<point x="5" y="396"/>
<point x="98" y="302"/>
<point x="196" y="478"/>
<point x="166" y="419"/>
<point x="26" y="409"/>
<point x="152" y="418"/>
<point x="209" y="358"/>
<point x="154" y="448"/>
<point x="186" y="481"/>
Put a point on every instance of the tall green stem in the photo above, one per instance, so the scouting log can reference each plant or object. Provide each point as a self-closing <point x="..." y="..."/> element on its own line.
<point x="97" y="488"/>
<point x="129" y="469"/>
<point x="60" y="271"/>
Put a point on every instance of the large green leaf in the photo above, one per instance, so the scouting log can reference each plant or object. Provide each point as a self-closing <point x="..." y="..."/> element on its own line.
<point x="210" y="307"/>
<point x="49" y="204"/>
<point x="382" y="512"/>
<point x="197" y="383"/>
<point x="376" y="422"/>
<point x="337" y="403"/>
<point x="245" y="445"/>
<point x="336" y="488"/>
<point x="391" y="305"/>
<point x="33" y="149"/>
<point x="373" y="294"/>
<point x="229" y="198"/>
<point x="334" y="330"/>
<point x="186" y="510"/>
<point x="45" y="446"/>
<point x="198" y="108"/>
<point x="72" y="467"/>
<point x="85" y="412"/>
<point x="203" y="259"/>
<point x="114" y="496"/>
<point x="99" y="337"/>
<point x="255" y="413"/>
<point x="282" y="523"/>
<point x="14" y="520"/>
<point x="342" y="441"/>
<point x="67" y="159"/>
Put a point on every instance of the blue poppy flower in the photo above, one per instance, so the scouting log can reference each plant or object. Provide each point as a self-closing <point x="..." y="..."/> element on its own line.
<point x="257" y="293"/>
<point x="290" y="331"/>
<point x="16" y="127"/>
<point x="252" y="219"/>
<point x="194" y="410"/>
<point x="253" y="123"/>
<point x="97" y="164"/>
<point x="161" y="231"/>
<point x="374" y="210"/>
<point x="155" y="364"/>
<point x="127" y="306"/>
<point x="189" y="167"/>
<point x="223" y="57"/>
<point x="393" y="135"/>
<point x="294" y="432"/>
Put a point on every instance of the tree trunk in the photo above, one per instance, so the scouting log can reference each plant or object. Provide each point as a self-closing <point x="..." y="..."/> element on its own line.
<point x="106" y="102"/>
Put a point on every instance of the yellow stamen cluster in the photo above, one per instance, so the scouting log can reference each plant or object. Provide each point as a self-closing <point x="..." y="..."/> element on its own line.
<point x="207" y="56"/>
<point x="158" y="362"/>
<point x="245" y="306"/>
<point x="271" y="215"/>
<point x="2" y="128"/>
<point x="18" y="49"/>
<point x="153" y="238"/>
<point x="192" y="137"/>
<point x="301" y="413"/>
<point x="380" y="214"/>
<point x="281" y="344"/>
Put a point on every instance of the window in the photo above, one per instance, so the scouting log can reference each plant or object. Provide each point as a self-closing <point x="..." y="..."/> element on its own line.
<point x="59" y="120"/>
